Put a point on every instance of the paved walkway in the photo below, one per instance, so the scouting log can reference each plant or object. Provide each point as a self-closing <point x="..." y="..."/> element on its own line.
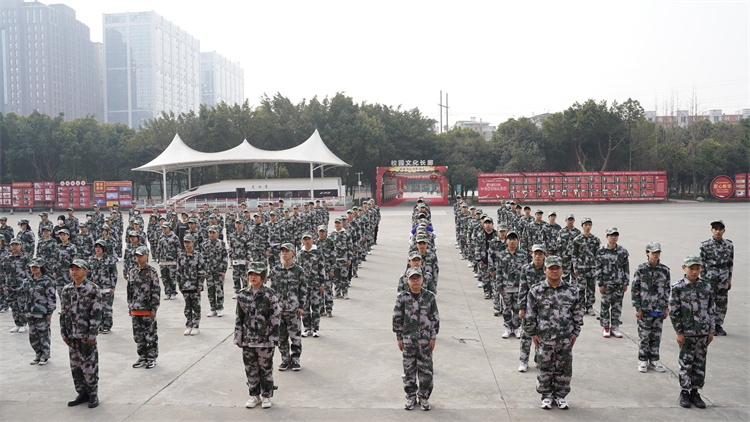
<point x="352" y="372"/>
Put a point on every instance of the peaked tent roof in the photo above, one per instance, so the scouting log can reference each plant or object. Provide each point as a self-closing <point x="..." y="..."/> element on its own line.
<point x="180" y="156"/>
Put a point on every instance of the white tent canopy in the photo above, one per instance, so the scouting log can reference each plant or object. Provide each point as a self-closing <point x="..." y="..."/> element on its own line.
<point x="178" y="156"/>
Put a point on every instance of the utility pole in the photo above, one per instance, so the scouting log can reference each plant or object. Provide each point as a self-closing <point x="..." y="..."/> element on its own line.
<point x="440" y="104"/>
<point x="359" y="187"/>
<point x="447" y="125"/>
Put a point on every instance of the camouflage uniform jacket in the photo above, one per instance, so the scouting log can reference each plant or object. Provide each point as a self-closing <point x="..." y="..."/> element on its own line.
<point x="153" y="232"/>
<point x="288" y="283"/>
<point x="530" y="277"/>
<point x="80" y="310"/>
<point x="191" y="271"/>
<point x="239" y="247"/>
<point x="582" y="251"/>
<point x="275" y="233"/>
<point x="537" y="234"/>
<point x="229" y="226"/>
<point x="103" y="271"/>
<point x="416" y="319"/>
<point x="312" y="266"/>
<point x="47" y="250"/>
<point x="258" y="318"/>
<point x="199" y="239"/>
<point x="564" y="241"/>
<point x="128" y="258"/>
<point x="8" y="232"/>
<point x="342" y="243"/>
<point x="651" y="288"/>
<point x="85" y="245"/>
<point x="16" y="270"/>
<point x="216" y="256"/>
<point x="427" y="283"/>
<point x="39" y="295"/>
<point x="144" y="292"/>
<point x="612" y="266"/>
<point x="258" y="237"/>
<point x="326" y="249"/>
<point x="486" y="247"/>
<point x="691" y="308"/>
<point x="509" y="269"/>
<point x="168" y="247"/>
<point x="4" y="254"/>
<point x="553" y="314"/>
<point x="28" y="240"/>
<point x="551" y="235"/>
<point x="716" y="256"/>
<point x="65" y="255"/>
<point x="72" y="224"/>
<point x="97" y="221"/>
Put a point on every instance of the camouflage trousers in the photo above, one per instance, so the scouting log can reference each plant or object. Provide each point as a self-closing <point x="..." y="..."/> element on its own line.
<point x="169" y="279"/>
<point x="107" y="302"/>
<point x="463" y="246"/>
<point x="61" y="281"/>
<point x="259" y="370"/>
<point x="239" y="277"/>
<point x="719" y="279"/>
<point x="417" y="359"/>
<point x="289" y="332"/>
<point x="692" y="360"/>
<point x="84" y="365"/>
<point x="258" y="255"/>
<point x="273" y="256"/>
<point x="555" y="369"/>
<point x="586" y="284"/>
<point x="484" y="277"/>
<point x="497" y="298"/>
<point x="215" y="287"/>
<point x="39" y="336"/>
<point x="611" y="306"/>
<point x="3" y="299"/>
<point x="649" y="335"/>
<point x="145" y="336"/>
<point x="510" y="310"/>
<point x="341" y="277"/>
<point x="16" y="302"/>
<point x="526" y="345"/>
<point x="192" y="309"/>
<point x="311" y="312"/>
<point x="326" y="304"/>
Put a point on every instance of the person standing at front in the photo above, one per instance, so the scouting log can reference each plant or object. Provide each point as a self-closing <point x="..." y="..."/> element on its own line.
<point x="191" y="271"/>
<point x="287" y="280"/>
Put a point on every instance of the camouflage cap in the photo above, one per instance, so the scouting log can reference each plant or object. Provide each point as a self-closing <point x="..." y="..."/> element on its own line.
<point x="84" y="225"/>
<point x="212" y="216"/>
<point x="692" y="260"/>
<point x="570" y="216"/>
<point x="414" y="254"/>
<point x="36" y="262"/>
<point x="80" y="263"/>
<point x="472" y="207"/>
<point x="337" y="220"/>
<point x="188" y="238"/>
<point x="479" y="211"/>
<point x="233" y="214"/>
<point x="133" y="233"/>
<point x="287" y="246"/>
<point x="214" y="228"/>
<point x="166" y="225"/>
<point x="257" y="268"/>
<point x="239" y="221"/>
<point x="719" y="222"/>
<point x="162" y="218"/>
<point x="487" y="220"/>
<point x="102" y="243"/>
<point x="527" y="208"/>
<point x="323" y="228"/>
<point x="49" y="226"/>
<point x="502" y="227"/>
<point x="551" y="214"/>
<point x="201" y="211"/>
<point x="106" y="227"/>
<point x="133" y="220"/>
<point x="16" y="241"/>
<point x="192" y="220"/>
<point x="70" y="209"/>
<point x="89" y="214"/>
<point x="256" y="215"/>
<point x="3" y="218"/>
<point x="552" y="261"/>
<point x="511" y="233"/>
<point x="538" y="211"/>
<point x="108" y="218"/>
<point x="64" y="231"/>
<point x="421" y="215"/>
<point x="613" y="231"/>
<point x="96" y="205"/>
<point x="538" y="247"/>
<point x="272" y="213"/>
<point x="421" y="229"/>
<point x="308" y="234"/>
<point x="463" y="205"/>
<point x="2" y="237"/>
<point x="44" y="214"/>
<point x="24" y="221"/>
<point x="413" y="271"/>
<point x="585" y="220"/>
<point x="653" y="247"/>
<point x="422" y="238"/>
<point x="141" y="250"/>
<point x="193" y="210"/>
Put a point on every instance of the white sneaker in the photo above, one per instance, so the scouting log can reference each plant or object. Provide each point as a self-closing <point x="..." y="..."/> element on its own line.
<point x="517" y="333"/>
<point x="22" y="329"/>
<point x="658" y="367"/>
<point x="187" y="331"/>
<point x="506" y="334"/>
<point x="523" y="367"/>
<point x="14" y="329"/>
<point x="315" y="333"/>
<point x="616" y="332"/>
<point x="605" y="332"/>
<point x="305" y="333"/>
<point x="480" y="284"/>
<point x="562" y="404"/>
<point x="546" y="404"/>
<point x="195" y="331"/>
<point x="254" y="401"/>
<point x="266" y="402"/>
<point x="211" y="314"/>
<point x="476" y="275"/>
<point x="642" y="366"/>
<point x="469" y="265"/>
<point x="219" y="313"/>
<point x="234" y="296"/>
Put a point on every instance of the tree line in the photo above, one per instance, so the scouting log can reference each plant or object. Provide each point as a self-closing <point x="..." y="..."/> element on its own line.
<point x="592" y="136"/>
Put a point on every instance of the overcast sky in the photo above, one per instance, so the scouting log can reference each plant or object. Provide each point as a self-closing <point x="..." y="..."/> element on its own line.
<point x="495" y="59"/>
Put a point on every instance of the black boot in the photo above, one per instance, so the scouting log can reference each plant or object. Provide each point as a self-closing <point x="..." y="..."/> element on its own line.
<point x="685" y="399"/>
<point x="695" y="398"/>
<point x="81" y="398"/>
<point x="719" y="330"/>
<point x="93" y="401"/>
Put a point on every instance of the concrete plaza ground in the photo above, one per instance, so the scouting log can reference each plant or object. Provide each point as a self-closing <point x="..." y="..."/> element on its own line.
<point x="353" y="371"/>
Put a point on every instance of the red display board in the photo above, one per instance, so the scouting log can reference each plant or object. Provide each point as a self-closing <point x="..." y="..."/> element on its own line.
<point x="573" y="186"/>
<point x="741" y="185"/>
<point x="74" y="194"/>
<point x="44" y="193"/>
<point x="6" y="196"/>
<point x="22" y="195"/>
<point x="390" y="183"/>
<point x="107" y="194"/>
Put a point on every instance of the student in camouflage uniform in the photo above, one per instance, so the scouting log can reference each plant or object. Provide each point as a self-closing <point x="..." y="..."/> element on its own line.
<point x="39" y="298"/>
<point x="66" y="253"/>
<point x="4" y="253"/>
<point x="216" y="260"/>
<point x="71" y="222"/>
<point x="429" y="260"/>
<point x="487" y="247"/>
<point x="554" y="317"/>
<point x="327" y="250"/>
<point x="692" y="311"/>
<point x="416" y="323"/>
<point x="613" y="275"/>
<point x="258" y="236"/>
<point x="342" y="243"/>
<point x="26" y="236"/>
<point x="112" y="240"/>
<point x="80" y="316"/>
<point x="717" y="255"/>
<point x="143" y="301"/>
<point x="46" y="249"/>
<point x="194" y="230"/>
<point x="153" y="232"/>
<point x="310" y="259"/>
<point x="103" y="273"/>
<point x="552" y="234"/>
<point x="167" y="251"/>
<point x="5" y="229"/>
<point x="128" y="260"/>
<point x="44" y="215"/>
<point x="84" y="242"/>
<point x="191" y="271"/>
<point x="511" y="260"/>
<point x="582" y="252"/>
<point x="256" y="332"/>
<point x="287" y="280"/>
<point x="531" y="275"/>
<point x="239" y="253"/>
<point x="97" y="220"/>
<point x="16" y="270"/>
<point x="537" y="232"/>
<point x="650" y="296"/>
<point x="275" y="230"/>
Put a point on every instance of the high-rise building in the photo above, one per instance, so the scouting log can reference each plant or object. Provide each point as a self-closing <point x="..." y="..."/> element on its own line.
<point x="221" y="80"/>
<point x="151" y="65"/>
<point x="47" y="61"/>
